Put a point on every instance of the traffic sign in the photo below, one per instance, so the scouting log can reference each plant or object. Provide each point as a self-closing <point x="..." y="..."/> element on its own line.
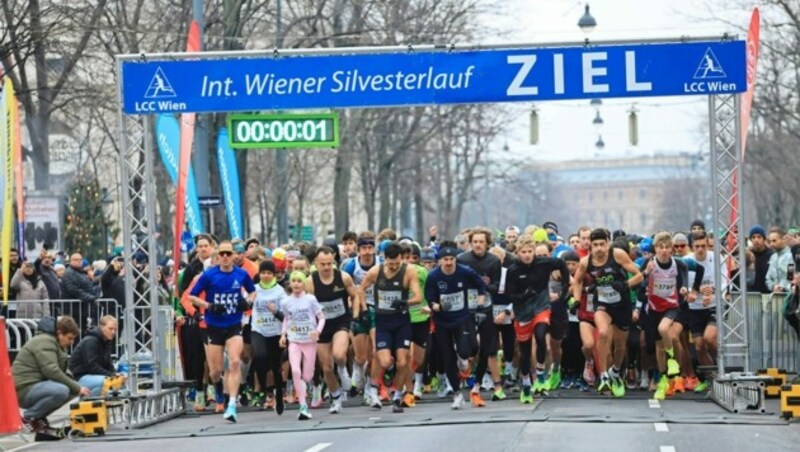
<point x="206" y="202"/>
<point x="391" y="77"/>
<point x="284" y="130"/>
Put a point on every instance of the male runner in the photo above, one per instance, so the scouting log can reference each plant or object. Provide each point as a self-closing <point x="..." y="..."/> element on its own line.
<point x="488" y="266"/>
<point x="392" y="280"/>
<point x="420" y="326"/>
<point x="336" y="293"/>
<point x="223" y="286"/>
<point x="614" y="307"/>
<point x="447" y="290"/>
<point x="363" y="309"/>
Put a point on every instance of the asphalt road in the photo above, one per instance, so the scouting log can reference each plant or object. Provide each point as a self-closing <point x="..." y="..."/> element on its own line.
<point x="570" y="422"/>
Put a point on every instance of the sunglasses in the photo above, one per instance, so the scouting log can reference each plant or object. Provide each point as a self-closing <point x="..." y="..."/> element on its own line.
<point x="681" y="245"/>
<point x="226" y="253"/>
<point x="700" y="246"/>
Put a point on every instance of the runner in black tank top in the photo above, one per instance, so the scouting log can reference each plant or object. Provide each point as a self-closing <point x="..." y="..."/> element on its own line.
<point x="335" y="291"/>
<point x="607" y="268"/>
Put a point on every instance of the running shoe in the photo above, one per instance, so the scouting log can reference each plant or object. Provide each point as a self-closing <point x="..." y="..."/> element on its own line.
<point x="487" y="384"/>
<point x="374" y="401"/>
<point x="344" y="378"/>
<point x="525" y="396"/>
<point x="588" y="374"/>
<point x="258" y="399"/>
<point x="384" y="393"/>
<point x="190" y="396"/>
<point x="427" y="389"/>
<point x="617" y="386"/>
<point x="661" y="389"/>
<point x="409" y="400"/>
<point x="458" y="402"/>
<point x="200" y="401"/>
<point x="316" y="397"/>
<point x="418" y="391"/>
<point x="554" y="382"/>
<point x="690" y="383"/>
<point x="582" y="385"/>
<point x="279" y="406"/>
<point x="304" y="414"/>
<point x="336" y="406"/>
<point x="444" y="390"/>
<point x="644" y="381"/>
<point x="673" y="368"/>
<point x="701" y="387"/>
<point x="269" y="403"/>
<point x="397" y="406"/>
<point x="630" y="378"/>
<point x="509" y="382"/>
<point x="569" y="382"/>
<point x="211" y="393"/>
<point x="498" y="395"/>
<point x="539" y="387"/>
<point x="435" y="382"/>
<point x="230" y="413"/>
<point x="219" y="408"/>
<point x="477" y="401"/>
<point x="671" y="387"/>
<point x="679" y="385"/>
<point x="605" y="385"/>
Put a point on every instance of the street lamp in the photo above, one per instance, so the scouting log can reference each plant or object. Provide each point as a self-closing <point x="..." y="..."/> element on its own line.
<point x="597" y="121"/>
<point x="587" y="23"/>
<point x="600" y="144"/>
<point x="633" y="126"/>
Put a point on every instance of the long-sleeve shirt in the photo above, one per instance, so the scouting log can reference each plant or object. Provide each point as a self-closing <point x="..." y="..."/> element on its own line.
<point x="301" y="315"/>
<point x="528" y="286"/>
<point x="451" y="293"/>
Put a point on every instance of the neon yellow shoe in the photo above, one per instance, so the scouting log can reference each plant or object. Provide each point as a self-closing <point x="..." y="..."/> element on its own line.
<point x="673" y="368"/>
<point x="661" y="389"/>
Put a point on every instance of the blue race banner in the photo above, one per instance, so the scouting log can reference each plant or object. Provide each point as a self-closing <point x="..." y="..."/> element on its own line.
<point x="229" y="179"/>
<point x="402" y="78"/>
<point x="168" y="137"/>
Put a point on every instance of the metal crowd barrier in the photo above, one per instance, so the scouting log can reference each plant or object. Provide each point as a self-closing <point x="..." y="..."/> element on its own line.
<point x="772" y="342"/>
<point x="20" y="330"/>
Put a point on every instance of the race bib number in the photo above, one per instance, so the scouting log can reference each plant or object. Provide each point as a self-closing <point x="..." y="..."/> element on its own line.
<point x="387" y="297"/>
<point x="472" y="299"/>
<point x="497" y="310"/>
<point x="332" y="309"/>
<point x="230" y="300"/>
<point x="369" y="294"/>
<point x="452" y="301"/>
<point x="664" y="287"/>
<point x="607" y="294"/>
<point x="265" y="321"/>
<point x="301" y="331"/>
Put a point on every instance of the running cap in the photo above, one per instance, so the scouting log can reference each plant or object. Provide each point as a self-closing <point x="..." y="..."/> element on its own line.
<point x="415" y="250"/>
<point x="540" y="235"/>
<point x="448" y="252"/>
<point x="680" y="238"/>
<point x="297" y="276"/>
<point x="512" y="228"/>
<point x="699" y="223"/>
<point x="366" y="242"/>
<point x="646" y="245"/>
<point x="570" y="256"/>
<point x="267" y="266"/>
<point x="550" y="225"/>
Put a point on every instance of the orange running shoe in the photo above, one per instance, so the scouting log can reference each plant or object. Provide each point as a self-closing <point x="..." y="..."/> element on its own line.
<point x="384" y="394"/>
<point x="476" y="399"/>
<point x="679" y="384"/>
<point x="219" y="408"/>
<point x="690" y="383"/>
<point x="409" y="400"/>
<point x="269" y="405"/>
<point x="671" y="388"/>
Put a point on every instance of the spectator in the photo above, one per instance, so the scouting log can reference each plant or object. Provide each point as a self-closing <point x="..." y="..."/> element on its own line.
<point x="779" y="261"/>
<point x="31" y="292"/>
<point x="8" y="310"/>
<point x="91" y="361"/>
<point x="44" y="265"/>
<point x="76" y="285"/>
<point x="60" y="269"/>
<point x="39" y="371"/>
<point x="112" y="283"/>
<point x="761" y="253"/>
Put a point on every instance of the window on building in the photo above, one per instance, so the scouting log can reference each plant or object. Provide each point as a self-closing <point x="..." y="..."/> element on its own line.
<point x="642" y="194"/>
<point x="620" y="195"/>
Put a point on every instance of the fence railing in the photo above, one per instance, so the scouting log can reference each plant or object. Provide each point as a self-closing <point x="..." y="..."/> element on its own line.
<point x="21" y="330"/>
<point x="772" y="341"/>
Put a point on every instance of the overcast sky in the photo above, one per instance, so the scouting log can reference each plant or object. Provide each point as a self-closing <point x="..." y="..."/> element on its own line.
<point x="566" y="130"/>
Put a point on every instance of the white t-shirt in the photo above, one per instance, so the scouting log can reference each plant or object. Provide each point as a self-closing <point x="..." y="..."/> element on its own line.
<point x="300" y="317"/>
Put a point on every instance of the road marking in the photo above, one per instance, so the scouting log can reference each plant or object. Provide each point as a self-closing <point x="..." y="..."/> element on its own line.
<point x="653" y="403"/>
<point x="322" y="446"/>
<point x="661" y="426"/>
<point x="667" y="449"/>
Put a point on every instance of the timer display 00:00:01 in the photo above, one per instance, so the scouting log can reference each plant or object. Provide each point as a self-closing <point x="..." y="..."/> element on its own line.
<point x="283" y="131"/>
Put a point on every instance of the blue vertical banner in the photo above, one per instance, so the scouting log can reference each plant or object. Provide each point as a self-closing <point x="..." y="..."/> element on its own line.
<point x="229" y="178"/>
<point x="168" y="136"/>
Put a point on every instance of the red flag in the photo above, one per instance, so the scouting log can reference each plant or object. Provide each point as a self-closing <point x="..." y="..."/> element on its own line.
<point x="745" y="107"/>
<point x="184" y="159"/>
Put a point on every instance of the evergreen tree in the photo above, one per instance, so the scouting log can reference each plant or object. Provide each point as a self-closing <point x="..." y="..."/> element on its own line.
<point x="84" y="230"/>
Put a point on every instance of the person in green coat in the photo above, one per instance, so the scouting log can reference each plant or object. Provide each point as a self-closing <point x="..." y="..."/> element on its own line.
<point x="40" y="372"/>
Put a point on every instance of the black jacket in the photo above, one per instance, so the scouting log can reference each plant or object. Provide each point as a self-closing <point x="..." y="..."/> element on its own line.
<point x="50" y="280"/>
<point x="92" y="356"/>
<point x="759" y="284"/>
<point x="76" y="285"/>
<point x="113" y="286"/>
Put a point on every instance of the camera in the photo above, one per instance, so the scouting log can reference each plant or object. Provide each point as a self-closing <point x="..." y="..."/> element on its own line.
<point x="790" y="271"/>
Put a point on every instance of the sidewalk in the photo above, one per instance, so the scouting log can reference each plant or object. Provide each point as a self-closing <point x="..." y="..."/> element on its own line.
<point x="21" y="440"/>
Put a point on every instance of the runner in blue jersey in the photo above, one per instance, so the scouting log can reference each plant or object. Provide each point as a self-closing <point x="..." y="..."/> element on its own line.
<point x="224" y="305"/>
